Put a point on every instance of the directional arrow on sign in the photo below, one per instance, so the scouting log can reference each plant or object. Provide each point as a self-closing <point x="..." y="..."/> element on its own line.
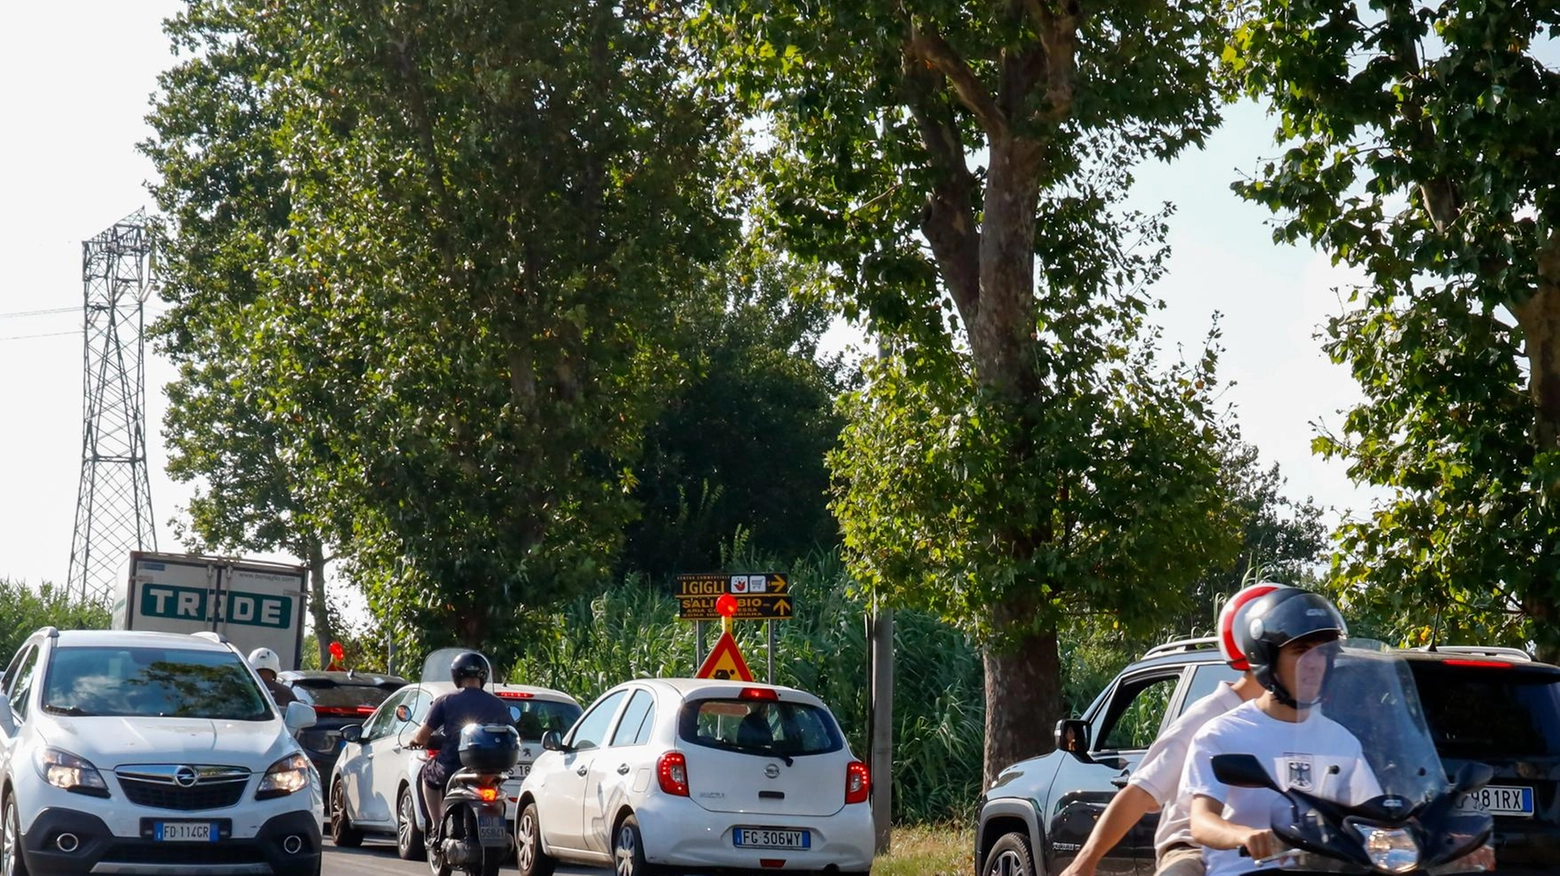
<point x="760" y="606"/>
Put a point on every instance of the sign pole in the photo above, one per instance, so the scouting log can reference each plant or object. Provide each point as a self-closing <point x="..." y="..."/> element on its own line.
<point x="698" y="644"/>
<point x="771" y="624"/>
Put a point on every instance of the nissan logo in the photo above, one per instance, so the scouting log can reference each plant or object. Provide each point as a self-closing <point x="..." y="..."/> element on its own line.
<point x="772" y="771"/>
<point x="185" y="777"/>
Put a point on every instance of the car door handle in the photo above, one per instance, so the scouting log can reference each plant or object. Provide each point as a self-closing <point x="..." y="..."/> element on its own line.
<point x="582" y="771"/>
<point x="623" y="769"/>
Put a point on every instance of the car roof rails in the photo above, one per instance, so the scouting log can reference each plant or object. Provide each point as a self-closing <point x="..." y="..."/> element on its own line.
<point x="1480" y="650"/>
<point x="210" y="636"/>
<point x="1182" y="646"/>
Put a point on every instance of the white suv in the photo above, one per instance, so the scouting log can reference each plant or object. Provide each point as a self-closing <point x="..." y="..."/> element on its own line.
<point x="698" y="774"/>
<point x="141" y="753"/>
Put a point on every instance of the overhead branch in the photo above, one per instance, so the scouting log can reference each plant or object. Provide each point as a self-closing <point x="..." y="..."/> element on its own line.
<point x="1439" y="193"/>
<point x="948" y="220"/>
<point x="1058" y="35"/>
<point x="930" y="48"/>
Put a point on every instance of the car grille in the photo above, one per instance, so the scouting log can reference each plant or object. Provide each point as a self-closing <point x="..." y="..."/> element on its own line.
<point x="161" y="786"/>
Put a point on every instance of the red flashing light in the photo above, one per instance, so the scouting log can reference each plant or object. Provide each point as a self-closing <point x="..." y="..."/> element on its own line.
<point x="758" y="693"/>
<point x="726" y="605"/>
<point x="671" y="770"/>
<point x="488" y="795"/>
<point x="514" y="695"/>
<point x="858" y="782"/>
<point x="1487" y="663"/>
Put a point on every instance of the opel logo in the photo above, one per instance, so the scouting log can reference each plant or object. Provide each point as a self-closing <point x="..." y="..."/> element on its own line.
<point x="772" y="771"/>
<point x="185" y="777"/>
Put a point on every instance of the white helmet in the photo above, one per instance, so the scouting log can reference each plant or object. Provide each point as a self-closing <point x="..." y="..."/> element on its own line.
<point x="265" y="658"/>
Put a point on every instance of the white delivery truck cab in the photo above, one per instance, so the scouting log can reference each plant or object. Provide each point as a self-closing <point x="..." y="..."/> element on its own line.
<point x="253" y="604"/>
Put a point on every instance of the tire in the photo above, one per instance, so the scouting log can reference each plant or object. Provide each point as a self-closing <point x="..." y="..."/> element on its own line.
<point x="532" y="859"/>
<point x="1009" y="856"/>
<point x="435" y="853"/>
<point x="628" y="850"/>
<point x="408" y="836"/>
<point x="12" y="862"/>
<point x="342" y="834"/>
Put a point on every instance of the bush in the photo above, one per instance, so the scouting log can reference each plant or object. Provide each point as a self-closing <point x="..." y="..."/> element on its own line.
<point x="23" y="610"/>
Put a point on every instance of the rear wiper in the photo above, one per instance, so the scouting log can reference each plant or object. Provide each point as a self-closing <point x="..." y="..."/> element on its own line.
<point x="768" y="748"/>
<point x="74" y="711"/>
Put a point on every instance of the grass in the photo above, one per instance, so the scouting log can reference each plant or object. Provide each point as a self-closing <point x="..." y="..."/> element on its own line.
<point x="928" y="850"/>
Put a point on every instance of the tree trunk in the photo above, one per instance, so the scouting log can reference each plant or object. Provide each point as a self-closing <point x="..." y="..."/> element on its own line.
<point x="1539" y="318"/>
<point x="324" y="633"/>
<point x="1023" y="700"/>
<point x="1002" y="328"/>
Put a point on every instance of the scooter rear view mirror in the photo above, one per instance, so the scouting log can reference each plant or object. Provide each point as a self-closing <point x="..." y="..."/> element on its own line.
<point x="1242" y="771"/>
<point x="1472" y="776"/>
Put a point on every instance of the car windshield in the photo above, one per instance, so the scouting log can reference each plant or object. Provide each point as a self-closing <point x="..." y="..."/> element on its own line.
<point x="152" y="682"/>
<point x="1495" y="712"/>
<point x="534" y="717"/>
<point x="332" y="697"/>
<point x="759" y="726"/>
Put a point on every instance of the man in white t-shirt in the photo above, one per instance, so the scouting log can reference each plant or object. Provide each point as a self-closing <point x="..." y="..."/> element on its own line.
<point x="1294" y="742"/>
<point x="1156" y="783"/>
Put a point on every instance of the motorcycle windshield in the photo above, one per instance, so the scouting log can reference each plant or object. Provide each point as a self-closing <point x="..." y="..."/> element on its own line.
<point x="1365" y="737"/>
<point x="437" y="665"/>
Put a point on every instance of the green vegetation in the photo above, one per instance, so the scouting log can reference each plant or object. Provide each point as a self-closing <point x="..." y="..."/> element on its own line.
<point x="928" y="850"/>
<point x="23" y="609"/>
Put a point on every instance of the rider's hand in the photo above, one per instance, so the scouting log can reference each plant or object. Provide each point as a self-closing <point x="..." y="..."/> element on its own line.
<point x="1260" y="844"/>
<point x="1079" y="867"/>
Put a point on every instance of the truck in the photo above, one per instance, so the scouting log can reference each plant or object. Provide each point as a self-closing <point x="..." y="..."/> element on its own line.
<point x="253" y="604"/>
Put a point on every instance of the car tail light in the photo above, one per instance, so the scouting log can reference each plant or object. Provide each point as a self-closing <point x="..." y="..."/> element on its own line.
<point x="1501" y="664"/>
<point x="514" y="695"/>
<point x="758" y="693"/>
<point x="858" y="782"/>
<point x="488" y="795"/>
<point x="672" y="770"/>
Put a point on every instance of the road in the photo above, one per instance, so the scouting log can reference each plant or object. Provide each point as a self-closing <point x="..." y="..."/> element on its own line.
<point x="379" y="859"/>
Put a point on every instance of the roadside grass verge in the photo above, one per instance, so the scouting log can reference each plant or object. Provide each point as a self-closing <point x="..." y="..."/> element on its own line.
<point x="929" y="850"/>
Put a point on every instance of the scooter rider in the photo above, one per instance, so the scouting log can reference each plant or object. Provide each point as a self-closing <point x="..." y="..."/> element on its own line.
<point x="1287" y="637"/>
<point x="468" y="704"/>
<point x="1156" y="783"/>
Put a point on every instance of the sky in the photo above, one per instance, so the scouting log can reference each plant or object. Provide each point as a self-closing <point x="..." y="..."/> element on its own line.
<point x="73" y="118"/>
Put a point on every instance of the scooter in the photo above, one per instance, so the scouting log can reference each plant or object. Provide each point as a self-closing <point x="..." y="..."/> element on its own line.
<point x="470" y="833"/>
<point x="1406" y="818"/>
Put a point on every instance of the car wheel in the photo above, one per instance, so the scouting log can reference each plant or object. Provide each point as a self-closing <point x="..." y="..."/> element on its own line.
<point x="628" y="849"/>
<point x="408" y="836"/>
<point x="11" y="861"/>
<point x="342" y="833"/>
<point x="528" y="844"/>
<point x="1009" y="856"/>
<point x="436" y="863"/>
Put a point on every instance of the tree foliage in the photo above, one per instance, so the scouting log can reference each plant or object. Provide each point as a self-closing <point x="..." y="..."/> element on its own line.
<point x="1421" y="152"/>
<point x="495" y="217"/>
<point x="1019" y="451"/>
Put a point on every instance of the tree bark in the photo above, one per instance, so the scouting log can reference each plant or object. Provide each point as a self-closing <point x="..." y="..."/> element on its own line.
<point x="324" y="631"/>
<point x="1023" y="700"/>
<point x="1002" y="330"/>
<point x="1539" y="317"/>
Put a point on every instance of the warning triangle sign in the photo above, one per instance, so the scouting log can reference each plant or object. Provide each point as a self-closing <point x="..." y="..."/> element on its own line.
<point x="725" y="661"/>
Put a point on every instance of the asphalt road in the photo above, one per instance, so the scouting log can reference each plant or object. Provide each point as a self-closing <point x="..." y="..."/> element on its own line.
<point x="379" y="859"/>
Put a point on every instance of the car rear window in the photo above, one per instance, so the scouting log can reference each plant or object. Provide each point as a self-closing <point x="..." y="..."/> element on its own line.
<point x="1490" y="713"/>
<point x="759" y="726"/>
<point x="329" y="695"/>
<point x="152" y="682"/>
<point x="534" y="717"/>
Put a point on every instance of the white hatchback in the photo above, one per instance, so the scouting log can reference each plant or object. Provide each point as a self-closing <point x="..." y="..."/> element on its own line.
<point x="695" y="773"/>
<point x="375" y="788"/>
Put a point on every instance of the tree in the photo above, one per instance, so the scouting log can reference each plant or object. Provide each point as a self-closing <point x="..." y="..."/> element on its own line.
<point x="224" y="203"/>
<point x="496" y="219"/>
<point x="1421" y="144"/>
<point x="1019" y="452"/>
<point x="741" y="444"/>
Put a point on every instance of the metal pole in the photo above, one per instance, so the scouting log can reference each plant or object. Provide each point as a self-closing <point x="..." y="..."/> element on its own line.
<point x="882" y="725"/>
<point x="771" y="651"/>
<point x="698" y="645"/>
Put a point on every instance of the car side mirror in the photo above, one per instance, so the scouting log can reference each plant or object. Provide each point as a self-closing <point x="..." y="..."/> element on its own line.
<point x="352" y="733"/>
<point x="299" y="716"/>
<point x="1472" y="776"/>
<point x="552" y="740"/>
<point x="1072" y="736"/>
<point x="1242" y="771"/>
<point x="403" y="712"/>
<point x="7" y="719"/>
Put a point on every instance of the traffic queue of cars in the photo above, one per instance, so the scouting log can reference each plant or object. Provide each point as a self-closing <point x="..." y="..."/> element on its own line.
<point x="688" y="773"/>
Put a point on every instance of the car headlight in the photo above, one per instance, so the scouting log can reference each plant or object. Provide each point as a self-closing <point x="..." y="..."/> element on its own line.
<point x="286" y="776"/>
<point x="62" y="769"/>
<point x="1391" y="850"/>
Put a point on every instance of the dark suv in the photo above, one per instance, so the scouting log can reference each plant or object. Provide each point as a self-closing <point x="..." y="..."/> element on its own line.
<point x="1493" y="705"/>
<point x="339" y="699"/>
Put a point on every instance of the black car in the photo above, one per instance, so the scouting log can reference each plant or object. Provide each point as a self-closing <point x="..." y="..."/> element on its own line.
<point x="1493" y="705"/>
<point x="339" y="699"/>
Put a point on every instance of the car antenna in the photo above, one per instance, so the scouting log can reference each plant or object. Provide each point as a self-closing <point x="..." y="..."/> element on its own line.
<point x="1435" y="631"/>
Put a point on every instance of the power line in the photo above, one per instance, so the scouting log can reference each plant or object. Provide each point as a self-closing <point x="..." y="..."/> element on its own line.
<point x="50" y="312"/>
<point x="43" y="335"/>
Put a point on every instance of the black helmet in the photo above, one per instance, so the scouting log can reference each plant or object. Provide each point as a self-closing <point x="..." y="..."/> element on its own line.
<point x="469" y="664"/>
<point x="1277" y="619"/>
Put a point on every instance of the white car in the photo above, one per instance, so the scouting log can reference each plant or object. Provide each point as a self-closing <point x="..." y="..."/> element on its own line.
<point x="375" y="788"/>
<point x="140" y="753"/>
<point x="695" y="773"/>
